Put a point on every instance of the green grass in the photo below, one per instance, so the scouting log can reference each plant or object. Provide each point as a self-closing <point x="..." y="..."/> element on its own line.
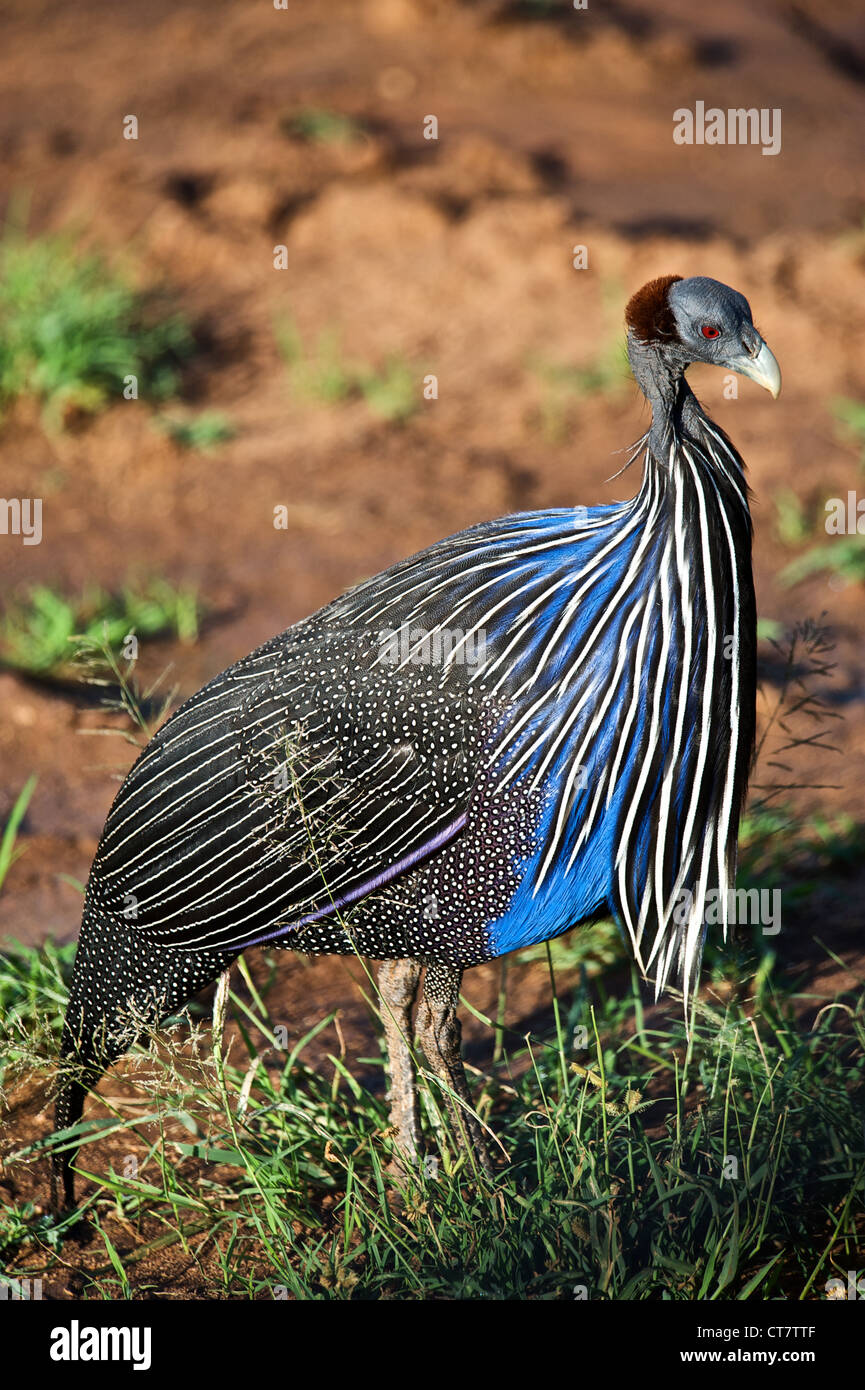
<point x="318" y="374"/>
<point x="8" y="849"/>
<point x="592" y="951"/>
<point x="839" y="556"/>
<point x="391" y="392"/>
<point x="636" y="1159"/>
<point x="33" y="992"/>
<point x="321" y="126"/>
<point x="613" y="1179"/>
<point x="72" y="329"/>
<point x="842" y="557"/>
<point x="792" y="523"/>
<point x="323" y="374"/>
<point x="778" y="849"/>
<point x="769" y="629"/>
<point x="850" y="415"/>
<point x="565" y="385"/>
<point x="39" y="631"/>
<point x="204" y="432"/>
<point x="19" y="1223"/>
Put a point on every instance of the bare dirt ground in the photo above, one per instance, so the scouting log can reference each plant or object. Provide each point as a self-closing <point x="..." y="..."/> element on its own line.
<point x="555" y="129"/>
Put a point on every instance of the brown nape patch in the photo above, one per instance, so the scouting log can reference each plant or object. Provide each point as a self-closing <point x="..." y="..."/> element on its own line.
<point x="649" y="315"/>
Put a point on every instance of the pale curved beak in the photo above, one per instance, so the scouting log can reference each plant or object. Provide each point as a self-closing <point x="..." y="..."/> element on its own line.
<point x="763" y="369"/>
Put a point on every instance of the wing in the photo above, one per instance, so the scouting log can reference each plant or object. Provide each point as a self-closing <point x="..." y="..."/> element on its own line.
<point x="346" y="750"/>
<point x="295" y="783"/>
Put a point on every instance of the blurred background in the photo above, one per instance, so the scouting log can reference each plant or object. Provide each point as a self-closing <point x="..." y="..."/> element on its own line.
<point x="232" y="260"/>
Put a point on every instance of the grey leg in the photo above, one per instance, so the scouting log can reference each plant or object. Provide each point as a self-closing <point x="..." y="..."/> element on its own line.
<point x="398" y="981"/>
<point x="440" y="1033"/>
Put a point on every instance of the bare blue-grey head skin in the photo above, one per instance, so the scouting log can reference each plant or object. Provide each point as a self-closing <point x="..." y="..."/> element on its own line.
<point x="698" y="304"/>
<point x="673" y="322"/>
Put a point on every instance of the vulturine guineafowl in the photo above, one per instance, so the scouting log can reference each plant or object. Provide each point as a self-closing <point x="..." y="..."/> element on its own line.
<point x="541" y="720"/>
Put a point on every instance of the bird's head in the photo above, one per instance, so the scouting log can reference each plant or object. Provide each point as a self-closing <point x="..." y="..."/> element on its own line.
<point x="699" y="320"/>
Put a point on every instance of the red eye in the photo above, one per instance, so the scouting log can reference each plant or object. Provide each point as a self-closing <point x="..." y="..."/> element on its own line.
<point x="709" y="331"/>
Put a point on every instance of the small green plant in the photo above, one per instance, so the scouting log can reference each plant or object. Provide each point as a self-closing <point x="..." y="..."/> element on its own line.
<point x="792" y="525"/>
<point x="33" y="993"/>
<point x="778" y="846"/>
<point x="321" y="126"/>
<point x="769" y="629"/>
<point x="843" y="556"/>
<point x="204" y="432"/>
<point x="564" y="385"/>
<point x="318" y="375"/>
<point x="8" y="851"/>
<point x="777" y="843"/>
<point x="288" y="340"/>
<point x="850" y="415"/>
<point x="72" y="330"/>
<point x="324" y="374"/>
<point x="608" y="374"/>
<point x="38" y="631"/>
<point x="21" y="1223"/>
<point x="392" y="392"/>
<point x="593" y="949"/>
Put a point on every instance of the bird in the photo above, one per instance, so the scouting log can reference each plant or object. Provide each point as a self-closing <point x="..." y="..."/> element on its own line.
<point x="538" y="722"/>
